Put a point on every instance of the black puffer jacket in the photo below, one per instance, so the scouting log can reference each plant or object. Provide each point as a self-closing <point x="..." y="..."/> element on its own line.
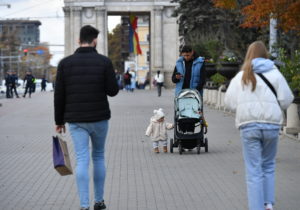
<point x="83" y="82"/>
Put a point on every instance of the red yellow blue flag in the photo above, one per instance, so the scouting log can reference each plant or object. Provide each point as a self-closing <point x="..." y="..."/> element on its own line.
<point x="134" y="44"/>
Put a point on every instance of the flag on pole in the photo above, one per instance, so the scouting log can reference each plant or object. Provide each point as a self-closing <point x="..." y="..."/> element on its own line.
<point x="134" y="44"/>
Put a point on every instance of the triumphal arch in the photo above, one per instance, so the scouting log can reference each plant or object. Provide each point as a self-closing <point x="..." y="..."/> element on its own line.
<point x="164" y="39"/>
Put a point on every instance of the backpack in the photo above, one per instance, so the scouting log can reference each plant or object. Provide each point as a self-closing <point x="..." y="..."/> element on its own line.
<point x="126" y="76"/>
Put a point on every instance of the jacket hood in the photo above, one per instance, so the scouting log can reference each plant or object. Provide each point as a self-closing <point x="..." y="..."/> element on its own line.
<point x="153" y="119"/>
<point x="159" y="113"/>
<point x="196" y="59"/>
<point x="261" y="65"/>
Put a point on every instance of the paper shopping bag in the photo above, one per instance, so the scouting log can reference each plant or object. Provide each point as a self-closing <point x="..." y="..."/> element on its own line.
<point x="61" y="158"/>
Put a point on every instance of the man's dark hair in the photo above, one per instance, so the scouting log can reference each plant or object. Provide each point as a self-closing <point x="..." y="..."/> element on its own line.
<point x="88" y="34"/>
<point x="186" y="49"/>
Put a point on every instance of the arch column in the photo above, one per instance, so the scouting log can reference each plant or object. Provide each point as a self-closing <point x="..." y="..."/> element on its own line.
<point x="67" y="31"/>
<point x="158" y="37"/>
<point x="101" y="20"/>
<point x="77" y="26"/>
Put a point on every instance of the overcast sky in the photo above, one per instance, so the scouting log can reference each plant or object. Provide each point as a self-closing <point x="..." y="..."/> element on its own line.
<point x="50" y="13"/>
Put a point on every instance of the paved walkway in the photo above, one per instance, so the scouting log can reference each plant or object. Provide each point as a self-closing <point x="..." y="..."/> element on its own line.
<point x="137" y="179"/>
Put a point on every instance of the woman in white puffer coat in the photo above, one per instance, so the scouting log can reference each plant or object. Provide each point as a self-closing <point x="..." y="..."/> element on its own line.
<point x="259" y="118"/>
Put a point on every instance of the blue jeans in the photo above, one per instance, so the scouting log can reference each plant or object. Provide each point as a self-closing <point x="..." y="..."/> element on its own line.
<point x="81" y="133"/>
<point x="259" y="148"/>
<point x="127" y="87"/>
<point x="156" y="143"/>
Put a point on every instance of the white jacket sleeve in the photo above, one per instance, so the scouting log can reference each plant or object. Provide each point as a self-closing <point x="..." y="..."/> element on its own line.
<point x="149" y="130"/>
<point x="284" y="94"/>
<point x="230" y="99"/>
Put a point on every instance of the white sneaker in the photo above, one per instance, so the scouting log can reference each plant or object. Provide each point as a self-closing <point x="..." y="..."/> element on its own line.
<point x="269" y="206"/>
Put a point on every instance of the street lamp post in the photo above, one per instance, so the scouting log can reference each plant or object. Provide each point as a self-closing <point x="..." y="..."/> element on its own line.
<point x="1" y="68"/>
<point x="1" y="61"/>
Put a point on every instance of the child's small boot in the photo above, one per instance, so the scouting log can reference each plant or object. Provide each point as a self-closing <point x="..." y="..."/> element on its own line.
<point x="156" y="150"/>
<point x="165" y="148"/>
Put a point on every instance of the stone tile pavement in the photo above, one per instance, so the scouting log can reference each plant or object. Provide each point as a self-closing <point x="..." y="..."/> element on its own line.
<point x="137" y="179"/>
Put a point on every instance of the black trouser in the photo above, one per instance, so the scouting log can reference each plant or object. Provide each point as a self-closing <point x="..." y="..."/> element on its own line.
<point x="43" y="88"/>
<point x="33" y="86"/>
<point x="29" y="89"/>
<point x="159" y="86"/>
<point x="8" y="91"/>
<point x="12" y="90"/>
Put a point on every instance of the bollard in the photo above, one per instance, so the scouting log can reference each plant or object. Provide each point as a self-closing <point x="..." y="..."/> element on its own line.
<point x="293" y="122"/>
<point x="222" y="105"/>
<point x="218" y="102"/>
<point x="205" y="95"/>
<point x="209" y="96"/>
<point x="219" y="98"/>
<point x="214" y="97"/>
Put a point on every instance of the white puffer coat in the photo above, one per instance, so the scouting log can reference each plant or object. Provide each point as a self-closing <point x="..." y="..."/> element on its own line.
<point x="260" y="105"/>
<point x="158" y="130"/>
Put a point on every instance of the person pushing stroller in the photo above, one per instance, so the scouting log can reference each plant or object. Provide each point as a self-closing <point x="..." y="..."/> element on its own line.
<point x="189" y="73"/>
<point x="157" y="129"/>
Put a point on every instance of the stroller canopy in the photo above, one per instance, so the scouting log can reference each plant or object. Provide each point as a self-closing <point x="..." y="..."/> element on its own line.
<point x="188" y="104"/>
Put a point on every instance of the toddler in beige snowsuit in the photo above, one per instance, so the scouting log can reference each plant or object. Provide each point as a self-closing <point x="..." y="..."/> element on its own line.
<point x="157" y="129"/>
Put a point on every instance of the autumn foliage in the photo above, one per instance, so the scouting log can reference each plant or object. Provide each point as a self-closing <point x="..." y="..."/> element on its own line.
<point x="226" y="4"/>
<point x="259" y="12"/>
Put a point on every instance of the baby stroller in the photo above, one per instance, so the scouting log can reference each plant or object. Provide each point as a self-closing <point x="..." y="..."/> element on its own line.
<point x="189" y="123"/>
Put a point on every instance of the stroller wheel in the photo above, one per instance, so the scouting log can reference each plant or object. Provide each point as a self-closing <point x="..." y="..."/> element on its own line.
<point x="206" y="145"/>
<point x="198" y="149"/>
<point x="171" y="145"/>
<point x="180" y="148"/>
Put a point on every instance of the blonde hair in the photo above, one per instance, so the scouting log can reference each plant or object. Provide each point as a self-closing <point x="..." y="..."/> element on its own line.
<point x="255" y="50"/>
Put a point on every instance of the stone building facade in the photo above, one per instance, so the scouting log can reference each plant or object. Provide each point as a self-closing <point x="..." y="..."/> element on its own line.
<point x="26" y="31"/>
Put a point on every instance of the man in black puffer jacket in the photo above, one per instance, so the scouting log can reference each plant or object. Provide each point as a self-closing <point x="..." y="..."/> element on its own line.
<point x="83" y="82"/>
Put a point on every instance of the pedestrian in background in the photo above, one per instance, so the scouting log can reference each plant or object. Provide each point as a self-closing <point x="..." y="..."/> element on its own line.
<point x="8" y="83"/>
<point x="157" y="129"/>
<point x="33" y="85"/>
<point x="29" y="83"/>
<point x="259" y="118"/>
<point x="43" y="84"/>
<point x="159" y="78"/>
<point x="119" y="79"/>
<point x="83" y="82"/>
<point x="127" y="80"/>
<point x="14" y="84"/>
<point x="133" y="80"/>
